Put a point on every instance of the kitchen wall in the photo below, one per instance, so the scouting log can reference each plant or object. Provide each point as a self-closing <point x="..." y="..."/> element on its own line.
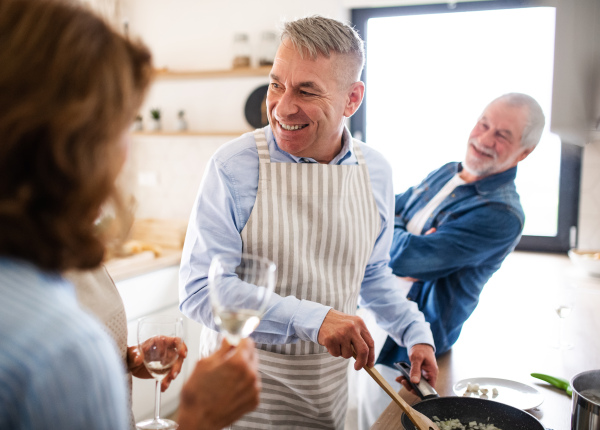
<point x="589" y="205"/>
<point x="164" y="172"/>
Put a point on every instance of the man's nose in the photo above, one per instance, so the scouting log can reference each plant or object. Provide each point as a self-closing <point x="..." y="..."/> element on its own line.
<point x="487" y="138"/>
<point x="287" y="104"/>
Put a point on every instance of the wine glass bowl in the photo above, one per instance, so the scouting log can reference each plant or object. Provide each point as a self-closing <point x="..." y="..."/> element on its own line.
<point x="240" y="286"/>
<point x="159" y="342"/>
<point x="160" y="354"/>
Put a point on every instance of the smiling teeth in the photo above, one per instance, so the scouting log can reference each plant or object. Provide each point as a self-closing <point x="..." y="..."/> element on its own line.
<point x="291" y="127"/>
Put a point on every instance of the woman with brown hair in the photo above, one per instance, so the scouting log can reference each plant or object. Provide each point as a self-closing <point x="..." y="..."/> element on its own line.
<point x="69" y="88"/>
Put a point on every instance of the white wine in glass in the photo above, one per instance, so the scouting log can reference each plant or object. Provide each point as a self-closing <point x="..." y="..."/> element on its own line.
<point x="240" y="286"/>
<point x="159" y="341"/>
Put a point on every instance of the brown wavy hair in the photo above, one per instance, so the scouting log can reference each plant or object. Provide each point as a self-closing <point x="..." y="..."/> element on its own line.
<point x="70" y="86"/>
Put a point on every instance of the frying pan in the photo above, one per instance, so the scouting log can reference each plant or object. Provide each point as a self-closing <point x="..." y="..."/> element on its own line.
<point x="466" y="409"/>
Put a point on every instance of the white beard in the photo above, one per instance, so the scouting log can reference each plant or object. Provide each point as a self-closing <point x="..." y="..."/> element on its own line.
<point x="478" y="166"/>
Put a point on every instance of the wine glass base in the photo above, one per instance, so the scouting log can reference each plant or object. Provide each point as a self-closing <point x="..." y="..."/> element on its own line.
<point x="159" y="424"/>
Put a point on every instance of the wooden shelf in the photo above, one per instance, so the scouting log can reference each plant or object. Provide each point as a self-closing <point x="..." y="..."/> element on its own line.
<point x="189" y="133"/>
<point x="208" y="74"/>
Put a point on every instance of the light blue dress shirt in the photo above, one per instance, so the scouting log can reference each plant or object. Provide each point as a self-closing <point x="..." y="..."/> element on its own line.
<point x="58" y="368"/>
<point x="225" y="200"/>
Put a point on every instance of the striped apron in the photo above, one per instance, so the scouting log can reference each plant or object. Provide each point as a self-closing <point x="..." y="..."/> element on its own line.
<point x="318" y="223"/>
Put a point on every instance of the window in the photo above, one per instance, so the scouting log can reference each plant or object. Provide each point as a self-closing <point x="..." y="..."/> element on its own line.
<point x="430" y="72"/>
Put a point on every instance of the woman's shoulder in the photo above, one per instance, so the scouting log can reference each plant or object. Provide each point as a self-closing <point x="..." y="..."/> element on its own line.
<point x="50" y="345"/>
<point x="44" y="308"/>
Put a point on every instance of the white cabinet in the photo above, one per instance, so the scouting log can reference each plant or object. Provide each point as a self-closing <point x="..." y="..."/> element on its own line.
<point x="156" y="292"/>
<point x="152" y="292"/>
<point x="576" y="82"/>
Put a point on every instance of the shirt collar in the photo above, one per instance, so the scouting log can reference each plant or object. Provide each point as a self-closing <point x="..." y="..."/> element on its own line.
<point x="492" y="182"/>
<point x="346" y="153"/>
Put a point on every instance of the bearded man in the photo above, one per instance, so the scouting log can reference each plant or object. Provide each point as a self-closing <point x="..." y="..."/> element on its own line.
<point x="453" y="231"/>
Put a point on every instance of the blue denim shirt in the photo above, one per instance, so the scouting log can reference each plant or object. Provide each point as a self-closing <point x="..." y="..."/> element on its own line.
<point x="477" y="226"/>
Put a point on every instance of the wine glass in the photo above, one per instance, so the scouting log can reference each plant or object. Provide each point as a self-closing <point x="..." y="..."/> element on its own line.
<point x="240" y="286"/>
<point x="564" y="300"/>
<point x="159" y="340"/>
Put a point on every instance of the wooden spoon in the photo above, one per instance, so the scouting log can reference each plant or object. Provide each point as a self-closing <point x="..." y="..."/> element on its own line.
<point x="420" y="421"/>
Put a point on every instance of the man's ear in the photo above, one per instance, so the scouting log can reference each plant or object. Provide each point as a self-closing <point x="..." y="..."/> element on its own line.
<point x="524" y="154"/>
<point x="356" y="92"/>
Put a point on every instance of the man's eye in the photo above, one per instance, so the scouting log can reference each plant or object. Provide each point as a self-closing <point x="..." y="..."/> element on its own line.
<point x="306" y="93"/>
<point x="483" y="126"/>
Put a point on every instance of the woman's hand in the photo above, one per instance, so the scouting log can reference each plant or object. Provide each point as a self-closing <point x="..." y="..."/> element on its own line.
<point x="135" y="364"/>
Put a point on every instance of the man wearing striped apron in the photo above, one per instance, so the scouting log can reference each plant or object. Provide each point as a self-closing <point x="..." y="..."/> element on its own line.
<point x="302" y="193"/>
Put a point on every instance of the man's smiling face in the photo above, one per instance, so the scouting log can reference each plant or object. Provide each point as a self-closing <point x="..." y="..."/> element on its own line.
<point x="307" y="102"/>
<point x="495" y="142"/>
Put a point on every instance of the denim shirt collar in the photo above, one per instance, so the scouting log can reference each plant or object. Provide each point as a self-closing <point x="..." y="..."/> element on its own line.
<point x="492" y="182"/>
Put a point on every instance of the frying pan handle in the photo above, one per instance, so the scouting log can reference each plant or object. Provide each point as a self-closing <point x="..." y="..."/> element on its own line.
<point x="423" y="389"/>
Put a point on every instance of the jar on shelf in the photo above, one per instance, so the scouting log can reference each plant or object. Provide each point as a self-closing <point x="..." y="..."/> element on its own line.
<point x="182" y="124"/>
<point x="267" y="48"/>
<point x="241" y="51"/>
<point x="138" y="124"/>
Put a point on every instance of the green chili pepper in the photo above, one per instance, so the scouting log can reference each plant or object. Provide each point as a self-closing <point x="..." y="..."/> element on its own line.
<point x="561" y="383"/>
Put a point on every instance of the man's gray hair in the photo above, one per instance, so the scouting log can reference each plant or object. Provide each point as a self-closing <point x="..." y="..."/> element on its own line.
<point x="535" y="120"/>
<point x="316" y="35"/>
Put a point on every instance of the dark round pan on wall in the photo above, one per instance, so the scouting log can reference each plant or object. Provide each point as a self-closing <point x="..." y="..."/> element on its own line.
<point x="467" y="409"/>
<point x="256" y="107"/>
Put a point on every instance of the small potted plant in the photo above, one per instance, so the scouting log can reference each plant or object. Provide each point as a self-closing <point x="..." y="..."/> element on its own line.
<point x="155" y="119"/>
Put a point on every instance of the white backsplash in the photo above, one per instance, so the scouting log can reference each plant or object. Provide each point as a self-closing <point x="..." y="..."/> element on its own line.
<point x="164" y="172"/>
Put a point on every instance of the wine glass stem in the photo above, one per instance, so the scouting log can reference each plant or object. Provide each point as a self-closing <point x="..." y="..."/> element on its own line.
<point x="157" y="402"/>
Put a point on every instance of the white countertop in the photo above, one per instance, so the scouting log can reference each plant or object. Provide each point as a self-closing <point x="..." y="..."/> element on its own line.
<point x="140" y="264"/>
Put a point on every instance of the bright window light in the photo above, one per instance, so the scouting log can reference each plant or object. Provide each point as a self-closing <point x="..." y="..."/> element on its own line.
<point x="430" y="76"/>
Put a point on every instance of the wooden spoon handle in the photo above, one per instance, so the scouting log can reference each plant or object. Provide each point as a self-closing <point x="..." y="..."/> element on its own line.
<point x="420" y="421"/>
<point x="406" y="408"/>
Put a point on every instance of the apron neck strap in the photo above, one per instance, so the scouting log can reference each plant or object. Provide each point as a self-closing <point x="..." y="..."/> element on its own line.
<point x="360" y="158"/>
<point x="262" y="146"/>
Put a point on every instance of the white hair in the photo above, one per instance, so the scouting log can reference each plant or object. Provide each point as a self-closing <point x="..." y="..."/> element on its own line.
<point x="316" y="35"/>
<point x="532" y="132"/>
